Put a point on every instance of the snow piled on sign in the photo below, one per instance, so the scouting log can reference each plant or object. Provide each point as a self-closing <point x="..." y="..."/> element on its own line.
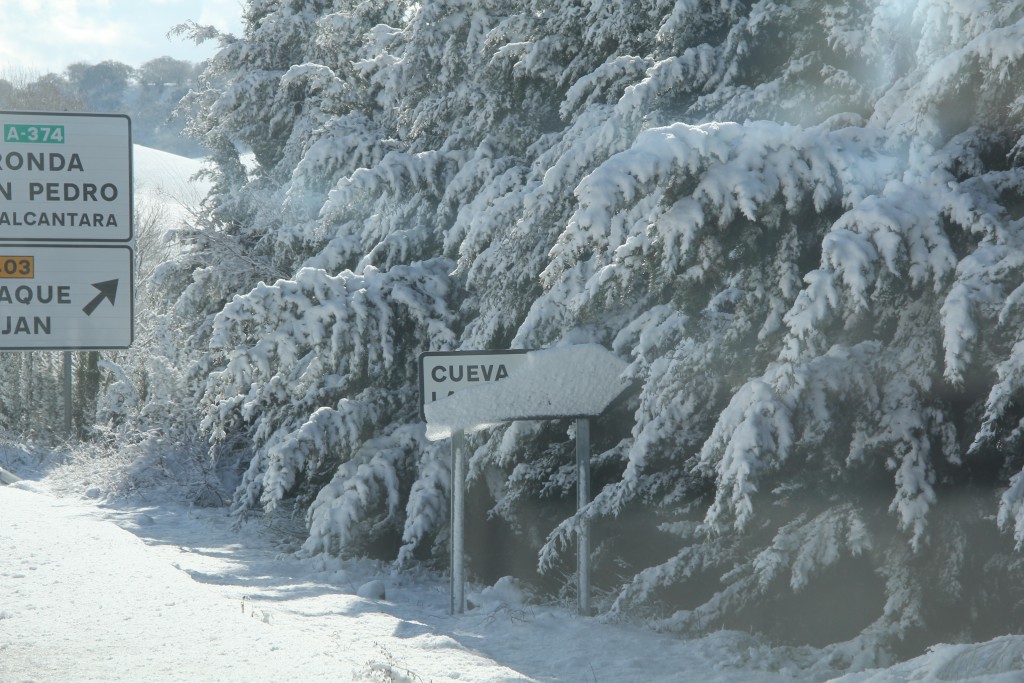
<point x="570" y="381"/>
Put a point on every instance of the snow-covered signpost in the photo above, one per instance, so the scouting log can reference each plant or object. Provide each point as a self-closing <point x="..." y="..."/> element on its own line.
<point x="567" y="382"/>
<point x="442" y="373"/>
<point x="66" y="231"/>
<point x="66" y="234"/>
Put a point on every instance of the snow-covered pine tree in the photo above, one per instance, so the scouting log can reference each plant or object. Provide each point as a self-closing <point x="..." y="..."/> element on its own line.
<point x="31" y="401"/>
<point x="816" y="282"/>
<point x="317" y="364"/>
<point x="800" y="222"/>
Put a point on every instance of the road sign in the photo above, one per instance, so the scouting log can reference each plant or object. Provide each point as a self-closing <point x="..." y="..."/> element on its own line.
<point x="442" y="373"/>
<point x="66" y="297"/>
<point x="65" y="177"/>
<point x="466" y="390"/>
<point x="571" y="381"/>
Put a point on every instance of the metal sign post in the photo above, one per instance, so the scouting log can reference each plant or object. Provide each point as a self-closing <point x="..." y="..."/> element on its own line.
<point x="460" y="390"/>
<point x="458" y="524"/>
<point x="582" y="500"/>
<point x="67" y="395"/>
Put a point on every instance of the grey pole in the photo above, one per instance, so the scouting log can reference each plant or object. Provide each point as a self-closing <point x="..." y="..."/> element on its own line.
<point x="582" y="500"/>
<point x="67" y="394"/>
<point x="458" y="539"/>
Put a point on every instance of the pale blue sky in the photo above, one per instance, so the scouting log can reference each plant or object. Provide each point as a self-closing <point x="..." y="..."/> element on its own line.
<point x="41" y="36"/>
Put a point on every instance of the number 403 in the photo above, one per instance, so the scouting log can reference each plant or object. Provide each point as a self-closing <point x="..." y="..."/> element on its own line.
<point x="17" y="266"/>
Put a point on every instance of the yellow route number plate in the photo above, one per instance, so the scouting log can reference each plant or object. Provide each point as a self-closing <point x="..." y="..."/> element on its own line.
<point x="17" y="266"/>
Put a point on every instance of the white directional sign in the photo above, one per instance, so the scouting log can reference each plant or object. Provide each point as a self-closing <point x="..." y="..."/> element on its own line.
<point x="66" y="231"/>
<point x="469" y="390"/>
<point x="70" y="297"/>
<point x="571" y="381"/>
<point x="65" y="177"/>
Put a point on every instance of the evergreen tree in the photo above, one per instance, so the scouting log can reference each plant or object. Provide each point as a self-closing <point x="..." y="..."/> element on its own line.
<point x="800" y="223"/>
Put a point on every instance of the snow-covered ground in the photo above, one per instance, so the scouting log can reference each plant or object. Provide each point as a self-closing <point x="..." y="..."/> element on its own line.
<point x="101" y="592"/>
<point x="94" y="590"/>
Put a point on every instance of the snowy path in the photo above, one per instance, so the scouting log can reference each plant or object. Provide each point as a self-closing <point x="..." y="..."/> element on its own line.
<point x="99" y="593"/>
<point x="188" y="599"/>
<point x="86" y="601"/>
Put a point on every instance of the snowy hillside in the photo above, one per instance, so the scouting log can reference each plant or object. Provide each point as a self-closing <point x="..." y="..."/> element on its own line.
<point x="165" y="180"/>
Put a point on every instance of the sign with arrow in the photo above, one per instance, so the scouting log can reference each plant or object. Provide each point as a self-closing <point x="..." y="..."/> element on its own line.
<point x="570" y="381"/>
<point x="66" y="297"/>
<point x="464" y="392"/>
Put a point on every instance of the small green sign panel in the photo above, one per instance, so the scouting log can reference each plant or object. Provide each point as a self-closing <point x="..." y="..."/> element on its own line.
<point x="34" y="133"/>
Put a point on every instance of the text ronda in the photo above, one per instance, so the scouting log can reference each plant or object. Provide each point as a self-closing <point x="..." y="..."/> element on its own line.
<point x="40" y="161"/>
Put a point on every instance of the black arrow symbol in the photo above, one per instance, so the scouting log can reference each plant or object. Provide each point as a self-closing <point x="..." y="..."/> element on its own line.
<point x="108" y="290"/>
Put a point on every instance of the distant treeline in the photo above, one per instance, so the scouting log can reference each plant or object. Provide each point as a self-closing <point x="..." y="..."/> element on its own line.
<point x="149" y="94"/>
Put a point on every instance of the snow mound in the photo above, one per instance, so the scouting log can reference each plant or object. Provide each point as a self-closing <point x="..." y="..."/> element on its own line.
<point x="506" y="593"/>
<point x="6" y="477"/>
<point x="372" y="590"/>
<point x="1000" y="660"/>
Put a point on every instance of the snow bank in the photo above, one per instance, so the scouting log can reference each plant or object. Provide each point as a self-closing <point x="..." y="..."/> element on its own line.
<point x="173" y="594"/>
<point x="84" y="600"/>
<point x="188" y="598"/>
<point x="998" y="661"/>
<point x="6" y="477"/>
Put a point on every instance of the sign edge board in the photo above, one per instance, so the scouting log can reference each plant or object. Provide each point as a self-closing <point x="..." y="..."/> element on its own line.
<point x="131" y="295"/>
<point x="487" y="424"/>
<point x="130" y="239"/>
